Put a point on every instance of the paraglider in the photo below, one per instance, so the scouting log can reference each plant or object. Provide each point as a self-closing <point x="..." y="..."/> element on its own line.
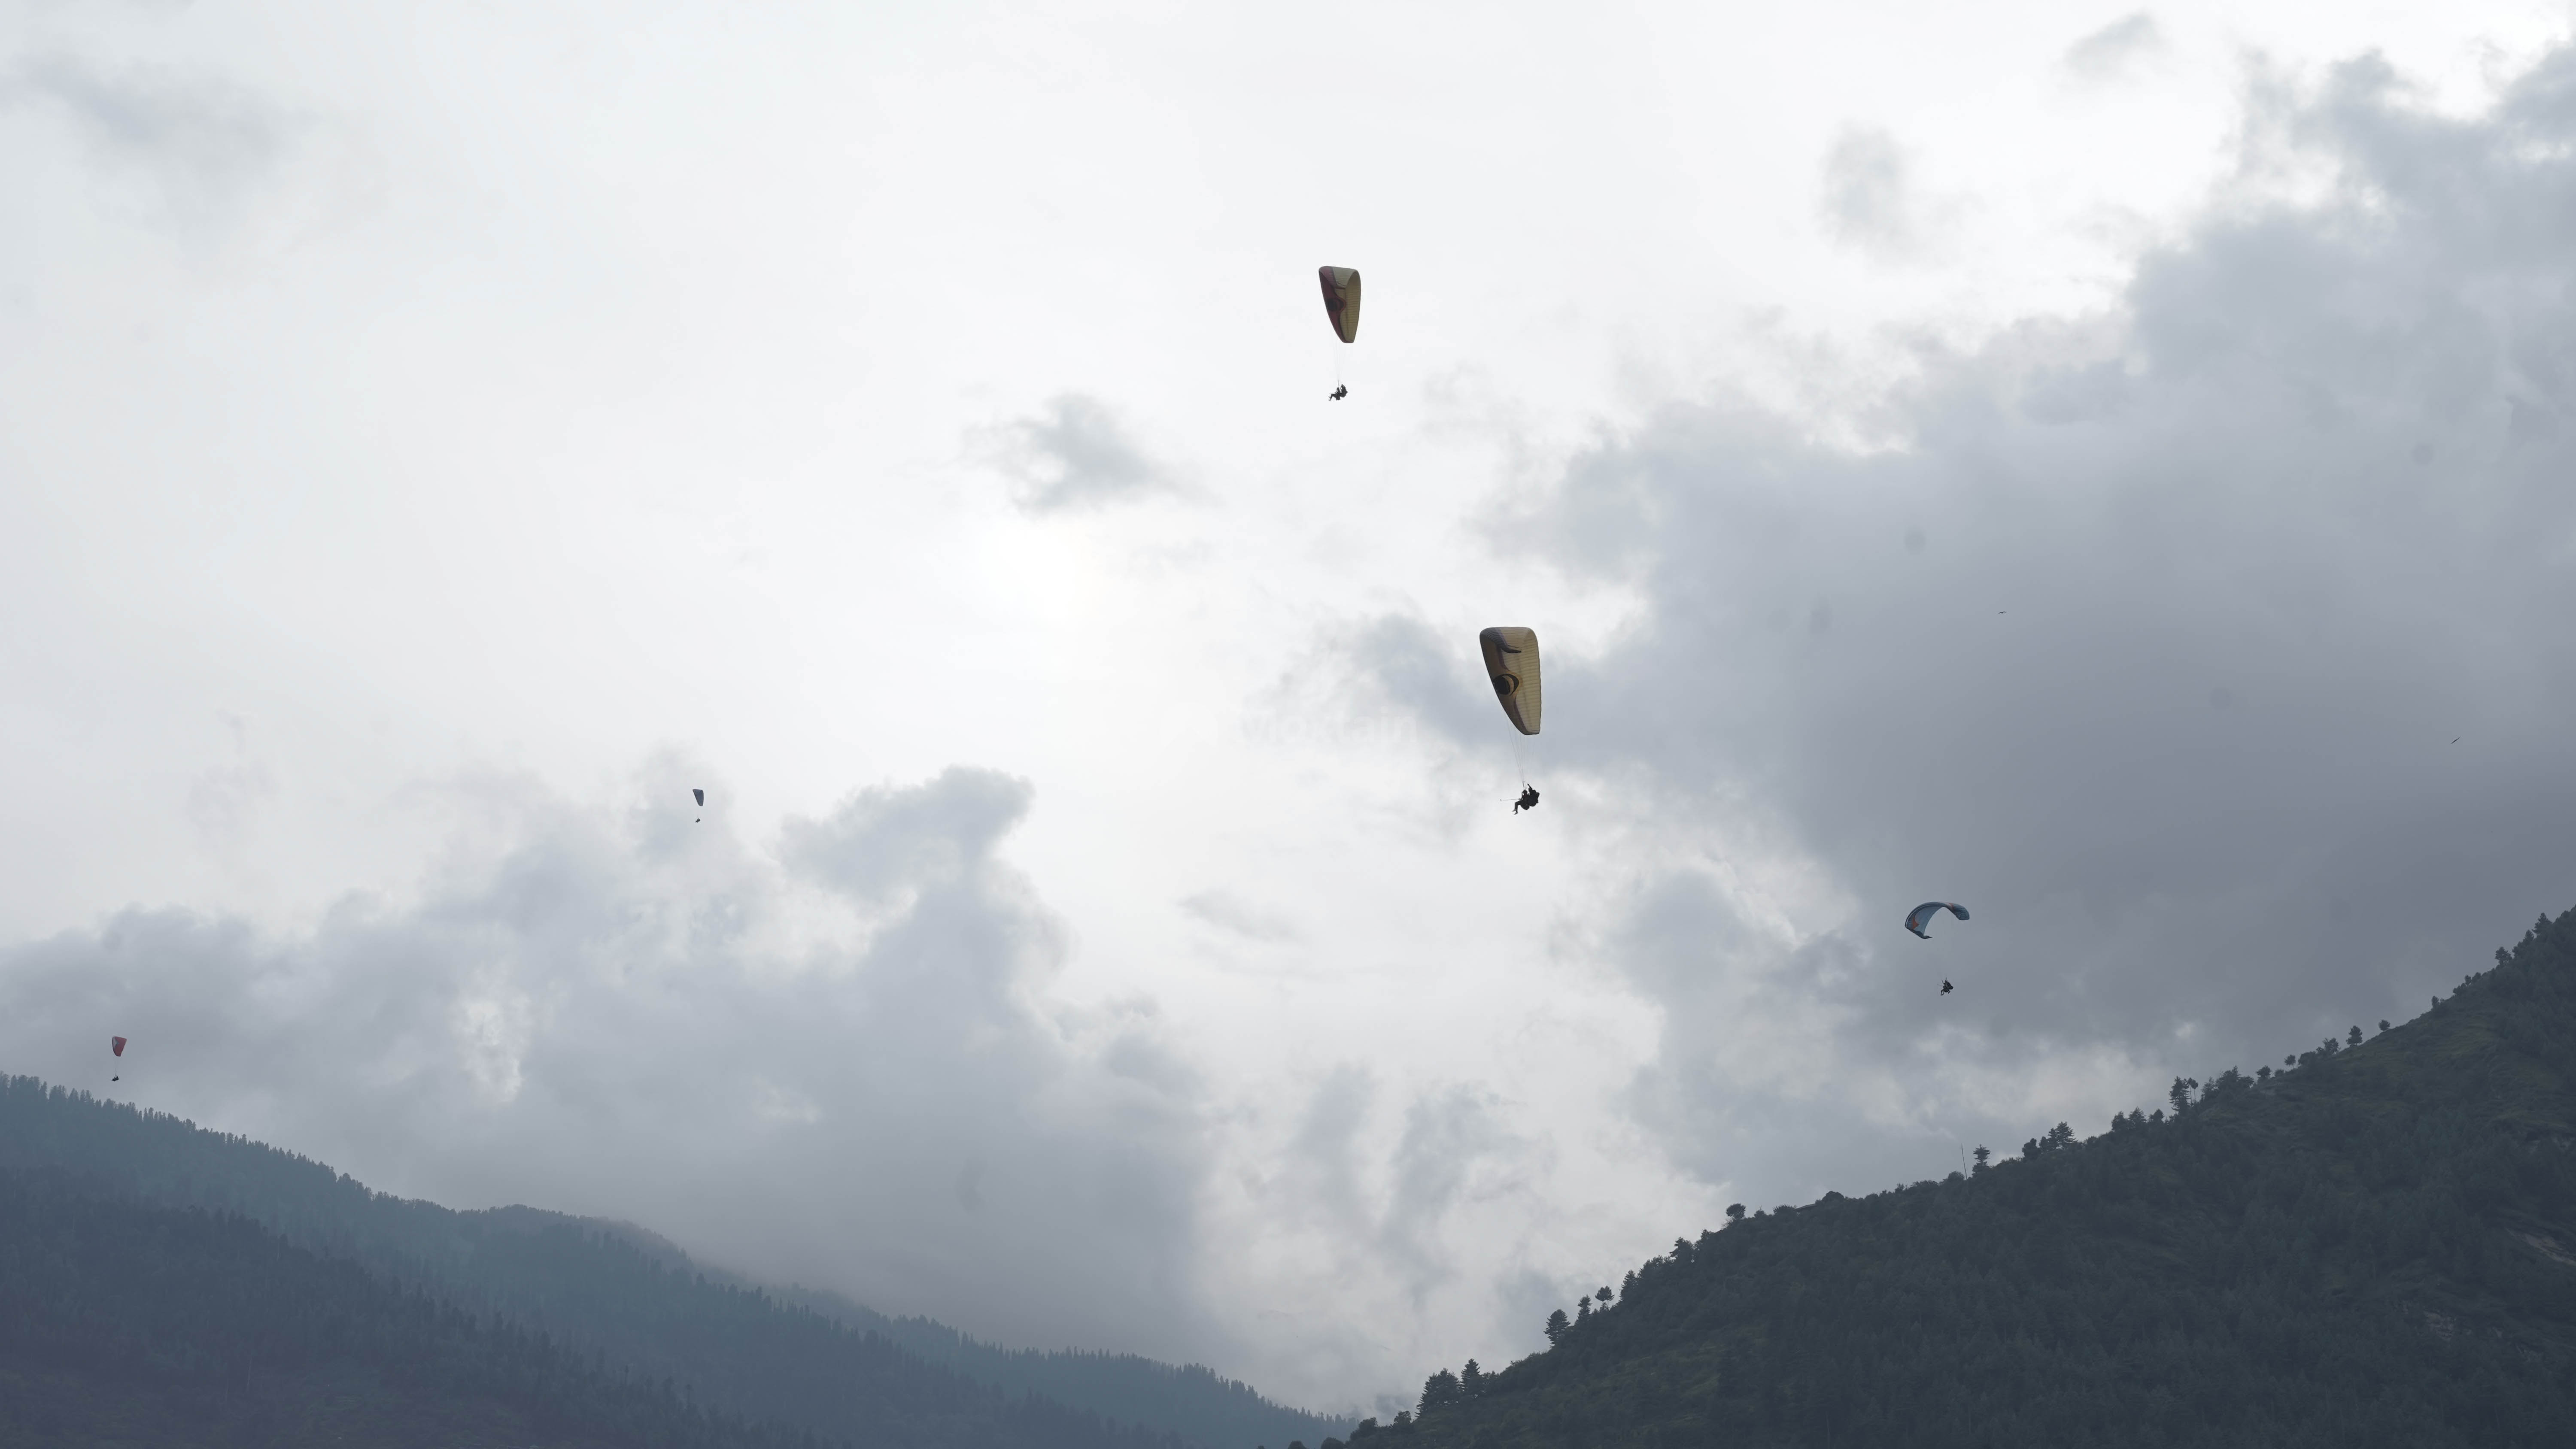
<point x="1511" y="661"/>
<point x="1921" y="916"/>
<point x="702" y="803"/>
<point x="1342" y="309"/>
<point x="116" y="1048"/>
<point x="1342" y="300"/>
<point x="1511" y="658"/>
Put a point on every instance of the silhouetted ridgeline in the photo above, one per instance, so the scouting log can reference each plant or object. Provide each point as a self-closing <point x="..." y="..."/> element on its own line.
<point x="2375" y="1245"/>
<point x="612" y="1302"/>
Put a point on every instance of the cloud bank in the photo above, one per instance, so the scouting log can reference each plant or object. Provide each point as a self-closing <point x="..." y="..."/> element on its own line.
<point x="2148" y="636"/>
<point x="834" y="1063"/>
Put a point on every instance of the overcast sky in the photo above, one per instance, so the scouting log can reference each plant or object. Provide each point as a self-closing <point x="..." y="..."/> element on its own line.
<point x="2107" y="467"/>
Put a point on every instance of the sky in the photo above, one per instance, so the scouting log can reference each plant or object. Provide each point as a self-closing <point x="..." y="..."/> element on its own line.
<point x="2106" y="467"/>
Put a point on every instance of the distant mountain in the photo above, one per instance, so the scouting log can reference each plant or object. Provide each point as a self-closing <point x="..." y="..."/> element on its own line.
<point x="1192" y="1401"/>
<point x="633" y="1305"/>
<point x="2373" y="1246"/>
<point x="127" y="1324"/>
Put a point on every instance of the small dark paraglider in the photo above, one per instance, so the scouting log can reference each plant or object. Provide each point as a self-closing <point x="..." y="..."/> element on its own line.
<point x="1342" y="309"/>
<point x="1528" y="800"/>
<point x="116" y="1048"/>
<point x="702" y="803"/>
<point x="1921" y="916"/>
<point x="1341" y="301"/>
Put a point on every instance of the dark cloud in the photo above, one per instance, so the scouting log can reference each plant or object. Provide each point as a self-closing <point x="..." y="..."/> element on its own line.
<point x="2111" y="50"/>
<point x="2148" y="645"/>
<point x="854" y="1083"/>
<point x="1075" y="453"/>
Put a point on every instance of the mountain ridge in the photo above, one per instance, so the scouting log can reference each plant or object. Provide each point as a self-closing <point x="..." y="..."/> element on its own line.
<point x="634" y="1298"/>
<point x="2374" y="1245"/>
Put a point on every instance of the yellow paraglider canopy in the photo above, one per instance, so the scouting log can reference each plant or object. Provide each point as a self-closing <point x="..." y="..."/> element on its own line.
<point x="1511" y="658"/>
<point x="1342" y="300"/>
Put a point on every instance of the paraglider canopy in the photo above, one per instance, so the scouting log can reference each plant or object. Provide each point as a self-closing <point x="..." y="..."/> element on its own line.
<point x="1342" y="300"/>
<point x="701" y="794"/>
<point x="116" y="1046"/>
<point x="1511" y="658"/>
<point x="1921" y="916"/>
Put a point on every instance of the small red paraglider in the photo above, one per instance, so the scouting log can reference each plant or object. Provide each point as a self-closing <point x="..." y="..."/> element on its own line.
<point x="116" y="1048"/>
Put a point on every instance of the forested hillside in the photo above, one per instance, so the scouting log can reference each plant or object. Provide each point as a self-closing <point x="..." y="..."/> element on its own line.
<point x="636" y="1306"/>
<point x="127" y="1324"/>
<point x="2372" y="1244"/>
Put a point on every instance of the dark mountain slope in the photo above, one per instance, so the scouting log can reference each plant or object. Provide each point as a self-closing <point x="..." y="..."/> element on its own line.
<point x="126" y="1324"/>
<point x="638" y="1303"/>
<point x="2376" y="1247"/>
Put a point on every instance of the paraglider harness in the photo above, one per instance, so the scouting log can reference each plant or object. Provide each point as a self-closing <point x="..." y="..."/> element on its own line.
<point x="1528" y="800"/>
<point x="1339" y="392"/>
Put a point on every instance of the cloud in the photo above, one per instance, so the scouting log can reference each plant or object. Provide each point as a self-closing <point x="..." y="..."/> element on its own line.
<point x="802" y="1068"/>
<point x="1387" y="1214"/>
<point x="1380" y="1193"/>
<point x="1400" y="668"/>
<point x="2109" y="52"/>
<point x="2148" y="644"/>
<point x="1230" y="913"/>
<point x="1869" y="196"/>
<point x="200" y="142"/>
<point x="1075" y="453"/>
<point x="1455" y="1147"/>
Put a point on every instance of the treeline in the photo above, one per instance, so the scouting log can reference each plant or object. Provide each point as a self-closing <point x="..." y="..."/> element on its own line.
<point x="2375" y="1246"/>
